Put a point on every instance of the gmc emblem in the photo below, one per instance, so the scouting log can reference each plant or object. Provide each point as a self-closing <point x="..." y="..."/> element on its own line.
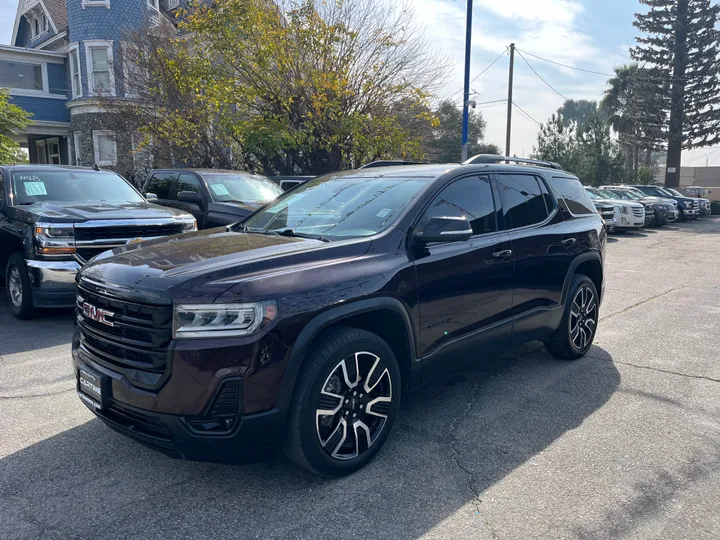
<point x="97" y="314"/>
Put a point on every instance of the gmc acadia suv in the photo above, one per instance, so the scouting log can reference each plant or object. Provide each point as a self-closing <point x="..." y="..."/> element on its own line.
<point x="303" y="326"/>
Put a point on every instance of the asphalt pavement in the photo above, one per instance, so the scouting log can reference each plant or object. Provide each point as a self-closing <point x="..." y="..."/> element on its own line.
<point x="624" y="443"/>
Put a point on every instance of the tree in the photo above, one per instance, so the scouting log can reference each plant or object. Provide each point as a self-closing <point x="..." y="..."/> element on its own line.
<point x="556" y="141"/>
<point x="13" y="119"/>
<point x="288" y="87"/>
<point x="680" y="46"/>
<point x="444" y="142"/>
<point x="578" y="111"/>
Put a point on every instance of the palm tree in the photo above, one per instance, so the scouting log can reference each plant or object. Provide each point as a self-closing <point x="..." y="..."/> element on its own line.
<point x="620" y="106"/>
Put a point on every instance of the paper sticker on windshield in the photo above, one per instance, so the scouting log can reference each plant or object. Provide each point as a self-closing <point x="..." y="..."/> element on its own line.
<point x="219" y="189"/>
<point x="384" y="212"/>
<point x="34" y="189"/>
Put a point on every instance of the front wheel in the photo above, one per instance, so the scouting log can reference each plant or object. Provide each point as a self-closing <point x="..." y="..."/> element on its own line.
<point x="574" y="337"/>
<point x="346" y="400"/>
<point x="18" y="288"/>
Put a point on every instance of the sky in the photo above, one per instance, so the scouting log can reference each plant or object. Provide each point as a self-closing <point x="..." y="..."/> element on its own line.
<point x="590" y="34"/>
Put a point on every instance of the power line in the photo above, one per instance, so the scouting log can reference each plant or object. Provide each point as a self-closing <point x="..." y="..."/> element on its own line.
<point x="518" y="107"/>
<point x="540" y="77"/>
<point x="481" y="73"/>
<point x="565" y="65"/>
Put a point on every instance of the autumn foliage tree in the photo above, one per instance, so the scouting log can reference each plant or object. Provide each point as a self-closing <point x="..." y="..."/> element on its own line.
<point x="289" y="87"/>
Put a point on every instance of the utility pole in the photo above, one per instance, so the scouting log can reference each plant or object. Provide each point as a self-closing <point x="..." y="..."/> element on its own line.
<point x="510" y="100"/>
<point x="466" y="94"/>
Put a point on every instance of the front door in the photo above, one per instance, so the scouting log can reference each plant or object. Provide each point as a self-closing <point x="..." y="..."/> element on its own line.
<point x="464" y="288"/>
<point x="189" y="182"/>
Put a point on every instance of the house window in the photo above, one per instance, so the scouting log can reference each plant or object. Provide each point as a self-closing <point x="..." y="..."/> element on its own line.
<point x="21" y="75"/>
<point x="96" y="3"/>
<point x="101" y="79"/>
<point x="105" y="147"/>
<point x="41" y="152"/>
<point x="77" y="147"/>
<point x="155" y="4"/>
<point x="44" y="23"/>
<point x="75" y="76"/>
<point x="36" y="27"/>
<point x="53" y="151"/>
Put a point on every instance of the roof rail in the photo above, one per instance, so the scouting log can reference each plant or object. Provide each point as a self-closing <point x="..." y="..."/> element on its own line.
<point x="492" y="158"/>
<point x="390" y="163"/>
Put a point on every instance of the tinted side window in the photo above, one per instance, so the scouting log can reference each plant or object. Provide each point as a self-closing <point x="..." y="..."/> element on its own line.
<point x="188" y="182"/>
<point x="160" y="184"/>
<point x="525" y="199"/>
<point x="469" y="197"/>
<point x="573" y="196"/>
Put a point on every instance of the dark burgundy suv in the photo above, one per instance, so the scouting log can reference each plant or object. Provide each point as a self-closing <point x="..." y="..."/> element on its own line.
<point x="302" y="326"/>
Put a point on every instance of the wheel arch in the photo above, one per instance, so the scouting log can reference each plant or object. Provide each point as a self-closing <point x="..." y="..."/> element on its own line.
<point x="588" y="264"/>
<point x="387" y="317"/>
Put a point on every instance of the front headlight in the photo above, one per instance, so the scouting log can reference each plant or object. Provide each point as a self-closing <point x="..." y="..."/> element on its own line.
<point x="52" y="239"/>
<point x="624" y="209"/>
<point x="222" y="320"/>
<point x="648" y="207"/>
<point x="190" y="226"/>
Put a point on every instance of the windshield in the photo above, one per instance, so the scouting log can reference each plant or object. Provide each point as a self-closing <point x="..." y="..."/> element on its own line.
<point x="608" y="194"/>
<point x="594" y="196"/>
<point x="664" y="192"/>
<point x="619" y="194"/>
<point x="674" y="192"/>
<point x="241" y="188"/>
<point x="339" y="207"/>
<point x="81" y="186"/>
<point x="629" y="195"/>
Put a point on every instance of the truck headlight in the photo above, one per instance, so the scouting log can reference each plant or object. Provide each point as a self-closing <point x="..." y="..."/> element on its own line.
<point x="222" y="320"/>
<point x="190" y="225"/>
<point x="623" y="209"/>
<point x="52" y="239"/>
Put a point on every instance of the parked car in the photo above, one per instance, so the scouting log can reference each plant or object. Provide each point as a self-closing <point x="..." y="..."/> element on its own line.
<point x="657" y="211"/>
<point x="305" y="324"/>
<point x="631" y="215"/>
<point x="287" y="183"/>
<point x="689" y="208"/>
<point x="215" y="197"/>
<point x="702" y="195"/>
<point x="53" y="219"/>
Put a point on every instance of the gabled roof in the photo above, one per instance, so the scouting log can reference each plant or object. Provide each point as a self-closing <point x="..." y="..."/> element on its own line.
<point x="55" y="10"/>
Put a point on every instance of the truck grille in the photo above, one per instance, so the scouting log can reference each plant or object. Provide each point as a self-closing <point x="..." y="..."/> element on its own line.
<point x="695" y="204"/>
<point x="126" y="232"/>
<point x="136" y="343"/>
<point x="607" y="213"/>
<point x="639" y="212"/>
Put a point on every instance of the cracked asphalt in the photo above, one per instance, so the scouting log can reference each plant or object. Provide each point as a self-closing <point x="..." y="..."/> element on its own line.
<point x="624" y="443"/>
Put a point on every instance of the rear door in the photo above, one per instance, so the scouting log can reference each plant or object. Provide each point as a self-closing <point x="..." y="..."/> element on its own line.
<point x="543" y="244"/>
<point x="464" y="288"/>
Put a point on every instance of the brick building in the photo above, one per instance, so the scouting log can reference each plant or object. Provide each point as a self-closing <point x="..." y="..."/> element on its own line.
<point x="63" y="55"/>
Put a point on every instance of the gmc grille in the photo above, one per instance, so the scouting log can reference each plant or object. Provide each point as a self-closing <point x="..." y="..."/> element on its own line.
<point x="137" y="342"/>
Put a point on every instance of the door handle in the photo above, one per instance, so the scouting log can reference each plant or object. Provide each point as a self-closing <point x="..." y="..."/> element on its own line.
<point x="569" y="242"/>
<point x="503" y="254"/>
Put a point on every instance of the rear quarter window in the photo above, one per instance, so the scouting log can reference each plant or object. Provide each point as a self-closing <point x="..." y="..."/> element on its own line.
<point x="572" y="195"/>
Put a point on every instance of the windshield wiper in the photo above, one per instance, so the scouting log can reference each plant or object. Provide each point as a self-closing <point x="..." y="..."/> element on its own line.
<point x="294" y="234"/>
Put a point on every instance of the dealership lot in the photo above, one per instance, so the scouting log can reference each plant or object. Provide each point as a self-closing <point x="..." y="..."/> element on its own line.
<point x="623" y="443"/>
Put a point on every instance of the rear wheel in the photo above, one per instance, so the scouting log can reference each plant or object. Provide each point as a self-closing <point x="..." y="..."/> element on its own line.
<point x="574" y="337"/>
<point x="681" y="215"/>
<point x="18" y="287"/>
<point x="346" y="400"/>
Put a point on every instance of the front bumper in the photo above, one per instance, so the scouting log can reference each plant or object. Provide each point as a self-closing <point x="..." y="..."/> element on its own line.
<point x="629" y="221"/>
<point x="692" y="212"/>
<point x="53" y="283"/>
<point x="169" y="418"/>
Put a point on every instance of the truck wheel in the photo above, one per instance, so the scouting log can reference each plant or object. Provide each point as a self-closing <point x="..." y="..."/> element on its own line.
<point x="346" y="399"/>
<point x="681" y="216"/>
<point x="18" y="288"/>
<point x="574" y="337"/>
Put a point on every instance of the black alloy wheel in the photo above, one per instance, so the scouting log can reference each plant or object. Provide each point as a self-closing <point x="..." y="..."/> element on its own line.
<point x="353" y="405"/>
<point x="575" y="335"/>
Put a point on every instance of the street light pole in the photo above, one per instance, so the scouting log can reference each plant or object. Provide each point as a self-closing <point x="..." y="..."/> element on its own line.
<point x="508" y="128"/>
<point x="466" y="94"/>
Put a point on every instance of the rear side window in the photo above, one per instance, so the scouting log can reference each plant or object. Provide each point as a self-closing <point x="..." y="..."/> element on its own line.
<point x="525" y="198"/>
<point x="471" y="198"/>
<point x="572" y="195"/>
<point x="160" y="184"/>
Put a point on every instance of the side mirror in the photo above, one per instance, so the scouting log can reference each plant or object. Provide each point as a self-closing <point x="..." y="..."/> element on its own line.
<point x="191" y="197"/>
<point x="151" y="197"/>
<point x="445" y="230"/>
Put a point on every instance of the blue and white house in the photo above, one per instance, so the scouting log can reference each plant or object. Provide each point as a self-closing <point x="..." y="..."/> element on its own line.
<point x="63" y="55"/>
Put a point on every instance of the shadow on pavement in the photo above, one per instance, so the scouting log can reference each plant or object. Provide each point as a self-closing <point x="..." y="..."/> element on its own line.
<point x="49" y="329"/>
<point x="453" y="440"/>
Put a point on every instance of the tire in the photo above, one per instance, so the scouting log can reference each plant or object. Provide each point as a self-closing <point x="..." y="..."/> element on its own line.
<point x="19" y="290"/>
<point x="681" y="216"/>
<point x="321" y="443"/>
<point x="565" y="343"/>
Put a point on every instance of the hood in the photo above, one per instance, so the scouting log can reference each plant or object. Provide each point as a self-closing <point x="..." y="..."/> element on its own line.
<point x="620" y="202"/>
<point x="240" y="209"/>
<point x="74" y="212"/>
<point x="198" y="267"/>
